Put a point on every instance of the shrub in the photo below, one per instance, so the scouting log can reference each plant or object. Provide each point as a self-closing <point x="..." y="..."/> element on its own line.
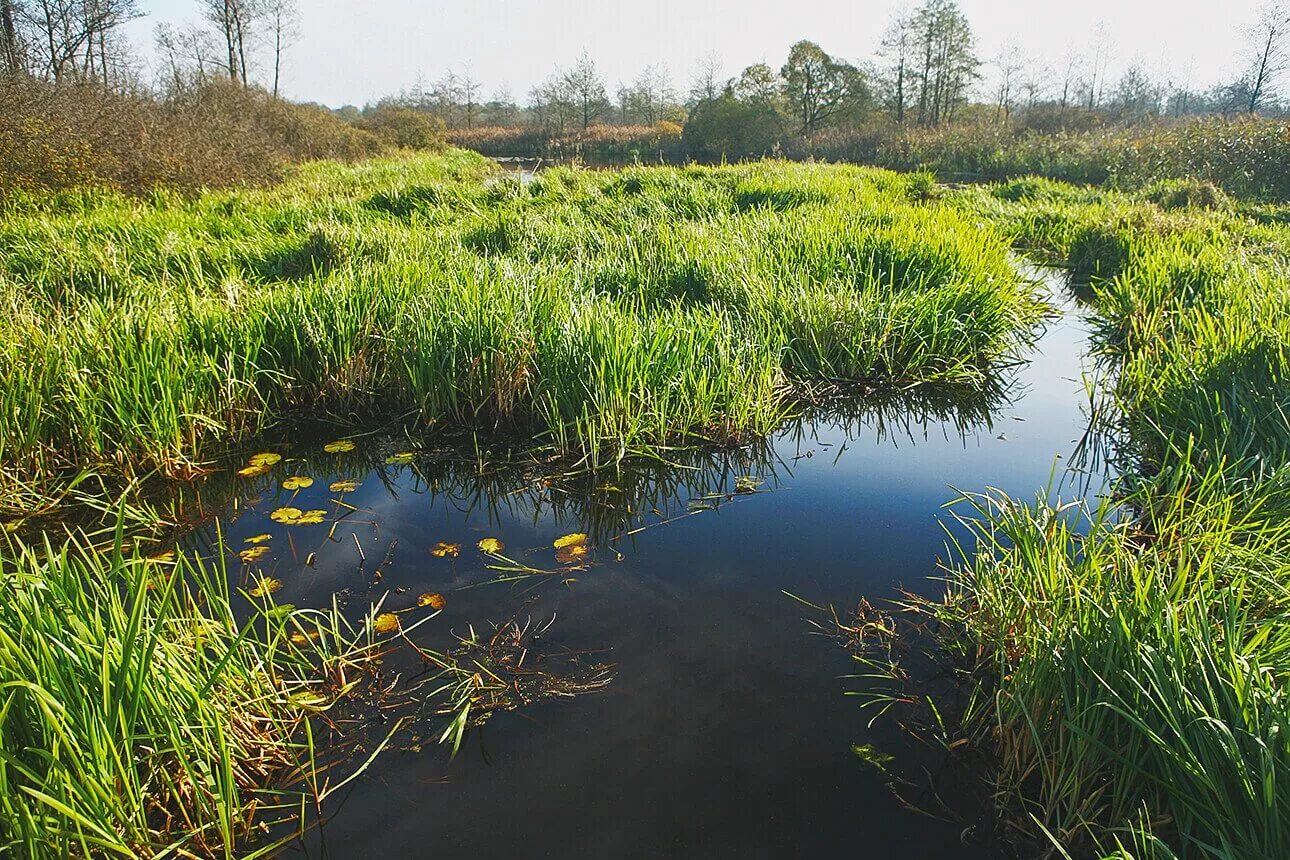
<point x="220" y="134"/>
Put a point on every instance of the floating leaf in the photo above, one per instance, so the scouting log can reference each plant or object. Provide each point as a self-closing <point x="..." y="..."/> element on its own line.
<point x="297" y="482"/>
<point x="492" y="546"/>
<point x="747" y="484"/>
<point x="443" y="549"/>
<point x="296" y="517"/>
<point x="400" y="459"/>
<point x="343" y="486"/>
<point x="250" y="555"/>
<point x="253" y="471"/>
<point x="340" y="446"/>
<point x="286" y="515"/>
<point x="264" y="538"/>
<point x="265" y="586"/>
<point x="571" y="554"/>
<point x="163" y="557"/>
<point x="386" y="622"/>
<point x="266" y="459"/>
<point x="300" y="637"/>
<point x="570" y="540"/>
<point x="433" y="600"/>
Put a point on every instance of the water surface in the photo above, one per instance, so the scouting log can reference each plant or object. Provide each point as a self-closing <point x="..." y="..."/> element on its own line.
<point x="726" y="730"/>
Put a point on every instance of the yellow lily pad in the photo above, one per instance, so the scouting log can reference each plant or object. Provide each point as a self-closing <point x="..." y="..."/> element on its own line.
<point x="386" y="622"/>
<point x="492" y="546"/>
<point x="266" y="459"/>
<point x="255" y="552"/>
<point x="265" y="586"/>
<point x="570" y="540"/>
<point x="297" y="482"/>
<point x="300" y="637"/>
<point x="402" y="458"/>
<point x="571" y="554"/>
<point x="286" y="514"/>
<point x="340" y="446"/>
<point x="432" y="599"/>
<point x="253" y="471"/>
<point x="344" y="486"/>
<point x="264" y="538"/>
<point x="163" y="557"/>
<point x="311" y="518"/>
<point x="443" y="549"/>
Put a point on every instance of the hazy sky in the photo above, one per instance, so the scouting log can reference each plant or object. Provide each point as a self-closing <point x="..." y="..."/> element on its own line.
<point x="353" y="51"/>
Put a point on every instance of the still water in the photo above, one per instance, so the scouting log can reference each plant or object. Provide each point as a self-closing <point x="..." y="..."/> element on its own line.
<point x="726" y="730"/>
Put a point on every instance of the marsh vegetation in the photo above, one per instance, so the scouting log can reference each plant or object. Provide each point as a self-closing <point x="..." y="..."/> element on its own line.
<point x="567" y="369"/>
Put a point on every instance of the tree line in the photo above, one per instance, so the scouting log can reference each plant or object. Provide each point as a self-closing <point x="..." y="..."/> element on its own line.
<point x="926" y="71"/>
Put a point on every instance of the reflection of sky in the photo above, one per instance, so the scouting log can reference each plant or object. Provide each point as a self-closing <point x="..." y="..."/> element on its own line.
<point x="725" y="731"/>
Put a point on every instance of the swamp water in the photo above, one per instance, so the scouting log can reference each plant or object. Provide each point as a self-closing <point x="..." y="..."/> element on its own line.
<point x="725" y="728"/>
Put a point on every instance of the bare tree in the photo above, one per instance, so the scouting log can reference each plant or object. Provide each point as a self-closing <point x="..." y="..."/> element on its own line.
<point x="1100" y="59"/>
<point x="1010" y="64"/>
<point x="234" y="22"/>
<point x="283" y="18"/>
<point x="11" y="49"/>
<point x="76" y="37"/>
<point x="1269" y="52"/>
<point x="468" y="87"/>
<point x="897" y="50"/>
<point x="189" y="55"/>
<point x="708" y="81"/>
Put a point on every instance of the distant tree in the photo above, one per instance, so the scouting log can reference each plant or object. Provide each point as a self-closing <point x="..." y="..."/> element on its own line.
<point x="1069" y="70"/>
<point x="896" y="70"/>
<point x="707" y="83"/>
<point x="1099" y="59"/>
<point x="731" y="127"/>
<point x="468" y="89"/>
<point x="1010" y="65"/>
<point x="284" y="27"/>
<point x="758" y="83"/>
<point x="649" y="99"/>
<point x="947" y="62"/>
<point x="1136" y="96"/>
<point x="1269" y="52"/>
<point x="75" y="39"/>
<point x="234" y="22"/>
<point x="189" y="55"/>
<point x="586" y="89"/>
<point x="553" y="103"/>
<point x="817" y="85"/>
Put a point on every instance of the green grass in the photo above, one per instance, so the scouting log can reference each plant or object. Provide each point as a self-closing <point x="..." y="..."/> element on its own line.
<point x="598" y="313"/>
<point x="138" y="718"/>
<point x="1130" y="680"/>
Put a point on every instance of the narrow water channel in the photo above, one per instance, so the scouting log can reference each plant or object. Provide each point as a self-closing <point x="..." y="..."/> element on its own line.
<point x="726" y="730"/>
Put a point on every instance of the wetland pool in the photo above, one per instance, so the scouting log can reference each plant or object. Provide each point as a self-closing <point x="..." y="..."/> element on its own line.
<point x="726" y="729"/>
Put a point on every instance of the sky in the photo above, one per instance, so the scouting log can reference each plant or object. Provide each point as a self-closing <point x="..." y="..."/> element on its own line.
<point x="355" y="51"/>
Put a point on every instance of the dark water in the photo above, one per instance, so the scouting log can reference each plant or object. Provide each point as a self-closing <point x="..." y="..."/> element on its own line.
<point x="726" y="730"/>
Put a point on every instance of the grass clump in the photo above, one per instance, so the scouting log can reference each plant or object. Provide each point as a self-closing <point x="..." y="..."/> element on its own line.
<point x="139" y="719"/>
<point x="1128" y="666"/>
<point x="600" y="312"/>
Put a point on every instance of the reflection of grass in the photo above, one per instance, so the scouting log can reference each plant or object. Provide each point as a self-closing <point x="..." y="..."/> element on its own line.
<point x="608" y="313"/>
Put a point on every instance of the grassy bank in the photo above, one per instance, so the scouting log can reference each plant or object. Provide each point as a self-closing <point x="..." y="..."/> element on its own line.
<point x="1131" y="679"/>
<point x="138" y="719"/>
<point x="598" y="312"/>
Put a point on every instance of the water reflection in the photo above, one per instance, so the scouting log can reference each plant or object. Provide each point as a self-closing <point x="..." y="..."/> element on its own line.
<point x="725" y="730"/>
